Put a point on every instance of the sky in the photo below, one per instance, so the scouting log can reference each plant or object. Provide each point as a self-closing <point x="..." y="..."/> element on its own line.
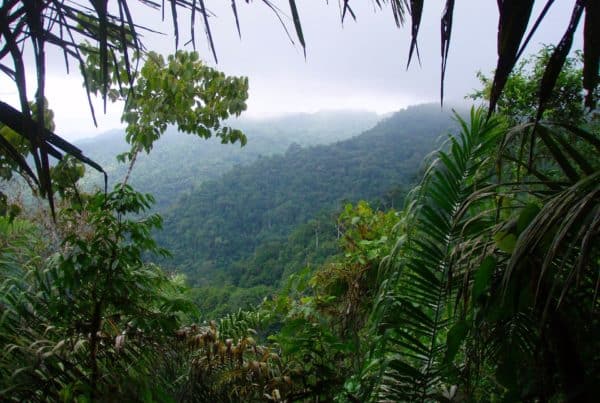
<point x="355" y="65"/>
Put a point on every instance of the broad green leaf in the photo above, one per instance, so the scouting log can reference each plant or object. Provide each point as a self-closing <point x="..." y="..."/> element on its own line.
<point x="527" y="215"/>
<point x="483" y="277"/>
<point x="505" y="242"/>
<point x="456" y="336"/>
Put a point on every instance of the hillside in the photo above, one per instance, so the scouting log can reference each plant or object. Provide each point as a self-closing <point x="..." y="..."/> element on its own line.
<point x="214" y="230"/>
<point x="179" y="162"/>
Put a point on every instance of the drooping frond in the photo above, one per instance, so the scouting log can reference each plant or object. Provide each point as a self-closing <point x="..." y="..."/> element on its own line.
<point x="563" y="230"/>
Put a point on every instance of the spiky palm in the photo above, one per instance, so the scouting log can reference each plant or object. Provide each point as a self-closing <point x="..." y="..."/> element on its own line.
<point x="497" y="269"/>
<point x="416" y="307"/>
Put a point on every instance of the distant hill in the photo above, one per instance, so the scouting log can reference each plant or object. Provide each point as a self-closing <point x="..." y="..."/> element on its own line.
<point x="179" y="162"/>
<point x="216" y="228"/>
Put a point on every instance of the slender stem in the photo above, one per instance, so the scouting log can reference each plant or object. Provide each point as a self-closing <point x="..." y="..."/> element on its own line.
<point x="135" y="153"/>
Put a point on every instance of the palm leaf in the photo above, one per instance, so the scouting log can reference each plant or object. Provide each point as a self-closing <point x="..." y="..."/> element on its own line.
<point x="347" y="9"/>
<point x="15" y="120"/>
<point x="208" y="31"/>
<point x="18" y="158"/>
<point x="591" y="51"/>
<point x="575" y="212"/>
<point x="416" y="314"/>
<point x="236" y="17"/>
<point x="446" y="33"/>
<point x="297" y="24"/>
<point x="514" y="16"/>
<point x="557" y="59"/>
<point x="535" y="27"/>
<point x="416" y="11"/>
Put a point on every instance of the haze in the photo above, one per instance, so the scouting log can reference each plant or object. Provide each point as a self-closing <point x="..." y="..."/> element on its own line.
<point x="357" y="65"/>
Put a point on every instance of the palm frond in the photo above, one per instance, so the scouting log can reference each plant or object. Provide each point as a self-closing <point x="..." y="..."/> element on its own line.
<point x="557" y="59"/>
<point x="563" y="231"/>
<point x="591" y="51"/>
<point x="446" y="33"/>
<point x="415" y="313"/>
<point x="575" y="211"/>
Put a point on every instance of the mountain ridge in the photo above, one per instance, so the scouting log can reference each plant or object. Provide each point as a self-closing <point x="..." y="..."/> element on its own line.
<point x="196" y="160"/>
<point x="223" y="221"/>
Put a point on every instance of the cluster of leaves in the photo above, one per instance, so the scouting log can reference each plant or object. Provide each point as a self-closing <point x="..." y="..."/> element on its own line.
<point x="225" y="361"/>
<point x="353" y="279"/>
<point x="321" y="313"/>
<point x="518" y="102"/>
<point x="89" y="319"/>
<point x="181" y="91"/>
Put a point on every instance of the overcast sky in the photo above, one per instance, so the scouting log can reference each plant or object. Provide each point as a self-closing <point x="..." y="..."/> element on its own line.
<point x="360" y="65"/>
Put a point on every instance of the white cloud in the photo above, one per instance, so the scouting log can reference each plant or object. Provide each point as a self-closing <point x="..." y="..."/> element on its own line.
<point x="358" y="65"/>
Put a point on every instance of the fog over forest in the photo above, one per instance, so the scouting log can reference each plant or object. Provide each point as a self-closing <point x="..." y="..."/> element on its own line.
<point x="299" y="201"/>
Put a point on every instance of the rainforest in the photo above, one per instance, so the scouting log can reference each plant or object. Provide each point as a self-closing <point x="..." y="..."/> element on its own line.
<point x="447" y="251"/>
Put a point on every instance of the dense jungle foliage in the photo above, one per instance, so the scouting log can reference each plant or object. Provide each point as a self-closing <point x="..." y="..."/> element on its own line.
<point x="199" y="162"/>
<point x="239" y="237"/>
<point x="224" y="221"/>
<point x="481" y="286"/>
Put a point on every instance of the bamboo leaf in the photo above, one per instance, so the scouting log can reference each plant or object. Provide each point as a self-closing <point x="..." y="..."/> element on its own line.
<point x="297" y="24"/>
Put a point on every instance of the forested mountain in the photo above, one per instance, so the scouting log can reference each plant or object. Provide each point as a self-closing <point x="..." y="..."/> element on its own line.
<point x="482" y="287"/>
<point x="212" y="230"/>
<point x="179" y="162"/>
